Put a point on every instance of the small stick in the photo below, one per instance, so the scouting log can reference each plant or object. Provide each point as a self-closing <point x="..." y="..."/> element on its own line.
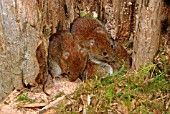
<point x="54" y="103"/>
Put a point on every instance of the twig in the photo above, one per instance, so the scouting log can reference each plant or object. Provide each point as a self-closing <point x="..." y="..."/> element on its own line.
<point x="32" y="105"/>
<point x="54" y="103"/>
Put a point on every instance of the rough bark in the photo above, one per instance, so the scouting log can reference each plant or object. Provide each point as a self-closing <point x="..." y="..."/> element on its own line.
<point x="147" y="31"/>
<point x="19" y="41"/>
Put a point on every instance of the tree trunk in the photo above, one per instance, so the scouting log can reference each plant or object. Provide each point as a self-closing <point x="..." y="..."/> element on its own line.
<point x="25" y="27"/>
<point x="20" y="37"/>
<point x="147" y="31"/>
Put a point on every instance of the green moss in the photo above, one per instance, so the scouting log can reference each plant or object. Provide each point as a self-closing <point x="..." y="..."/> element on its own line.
<point x="24" y="98"/>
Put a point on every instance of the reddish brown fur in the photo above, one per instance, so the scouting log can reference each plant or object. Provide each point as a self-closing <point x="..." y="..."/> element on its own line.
<point x="85" y="30"/>
<point x="65" y="52"/>
<point x="89" y="71"/>
<point x="121" y="55"/>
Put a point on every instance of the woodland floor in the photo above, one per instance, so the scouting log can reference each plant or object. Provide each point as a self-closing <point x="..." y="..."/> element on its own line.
<point x="32" y="101"/>
<point x="124" y="92"/>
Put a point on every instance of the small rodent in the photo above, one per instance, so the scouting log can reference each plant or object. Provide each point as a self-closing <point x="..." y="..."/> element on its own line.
<point x="96" y="69"/>
<point x="91" y="35"/>
<point x="65" y="56"/>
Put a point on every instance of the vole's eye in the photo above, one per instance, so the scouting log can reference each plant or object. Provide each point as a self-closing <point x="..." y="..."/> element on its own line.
<point x="105" y="53"/>
<point x="112" y="46"/>
<point x="68" y="72"/>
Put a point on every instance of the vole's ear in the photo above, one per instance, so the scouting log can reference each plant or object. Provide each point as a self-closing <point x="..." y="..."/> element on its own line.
<point x="100" y="30"/>
<point x="65" y="55"/>
<point x="90" y="43"/>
